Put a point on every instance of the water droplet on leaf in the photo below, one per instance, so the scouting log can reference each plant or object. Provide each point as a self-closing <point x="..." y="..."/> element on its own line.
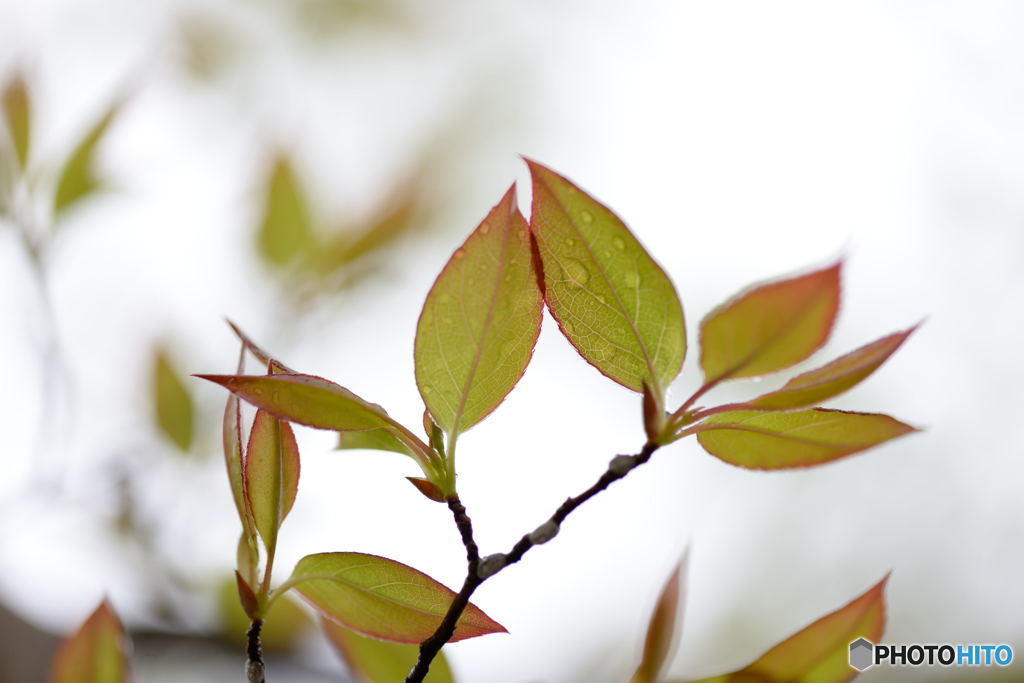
<point x="618" y="243"/>
<point x="587" y="217"/>
<point x="577" y="272"/>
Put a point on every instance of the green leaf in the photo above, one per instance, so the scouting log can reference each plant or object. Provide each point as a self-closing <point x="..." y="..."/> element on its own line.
<point x="373" y="440"/>
<point x="833" y="379"/>
<point x="819" y="653"/>
<point x="770" y="327"/>
<point x="18" y="115"/>
<point x="285" y="231"/>
<point x="661" y="631"/>
<point x="271" y="471"/>
<point x="378" y="661"/>
<point x="174" y="409"/>
<point x="480" y="322"/>
<point x="382" y="598"/>
<point x="97" y="653"/>
<point x="78" y="178"/>
<point x="233" y="455"/>
<point x="610" y="299"/>
<point x="305" y="399"/>
<point x="767" y="441"/>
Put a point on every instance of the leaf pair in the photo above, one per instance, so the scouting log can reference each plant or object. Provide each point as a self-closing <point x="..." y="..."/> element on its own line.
<point x="817" y="652"/>
<point x="77" y="178"/>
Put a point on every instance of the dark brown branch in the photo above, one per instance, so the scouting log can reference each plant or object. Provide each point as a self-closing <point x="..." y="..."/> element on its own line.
<point x="432" y="645"/>
<point x="254" y="667"/>
<point x="479" y="570"/>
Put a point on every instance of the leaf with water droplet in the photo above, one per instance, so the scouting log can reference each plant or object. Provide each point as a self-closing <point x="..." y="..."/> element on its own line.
<point x="285" y="233"/>
<point x="820" y="651"/>
<point x="770" y="327"/>
<point x="382" y="598"/>
<point x="96" y="653"/>
<point x="17" y="111"/>
<point x="468" y="364"/>
<point x="604" y="289"/>
<point x="271" y="472"/>
<point x="375" y="661"/>
<point x="78" y="178"/>
<point x="768" y="441"/>
<point x="172" y="401"/>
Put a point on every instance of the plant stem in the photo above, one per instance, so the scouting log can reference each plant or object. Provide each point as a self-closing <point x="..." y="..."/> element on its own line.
<point x="254" y="667"/>
<point x="478" y="572"/>
<point x="432" y="645"/>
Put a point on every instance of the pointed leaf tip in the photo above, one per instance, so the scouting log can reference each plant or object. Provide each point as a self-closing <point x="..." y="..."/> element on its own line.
<point x="96" y="653"/>
<point x="611" y="300"/>
<point x="830" y="380"/>
<point x="662" y="634"/>
<point x="382" y="598"/>
<point x="480" y="321"/>
<point x="771" y="326"/>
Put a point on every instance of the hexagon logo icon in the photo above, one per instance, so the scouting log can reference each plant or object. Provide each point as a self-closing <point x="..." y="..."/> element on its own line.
<point x="862" y="653"/>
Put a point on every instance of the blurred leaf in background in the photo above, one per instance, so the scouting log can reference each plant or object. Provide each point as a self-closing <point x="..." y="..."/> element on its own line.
<point x="97" y="653"/>
<point x="172" y="401"/>
<point x="17" y="113"/>
<point x="286" y="232"/>
<point x="78" y="178"/>
<point x="378" y="661"/>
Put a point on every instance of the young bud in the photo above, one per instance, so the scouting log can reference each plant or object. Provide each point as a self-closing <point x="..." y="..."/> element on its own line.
<point x="490" y="565"/>
<point x="544" y="533"/>
<point x="621" y="464"/>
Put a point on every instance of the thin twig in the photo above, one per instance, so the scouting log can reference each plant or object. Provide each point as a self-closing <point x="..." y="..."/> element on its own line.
<point x="254" y="667"/>
<point x="479" y="570"/>
<point x="432" y="645"/>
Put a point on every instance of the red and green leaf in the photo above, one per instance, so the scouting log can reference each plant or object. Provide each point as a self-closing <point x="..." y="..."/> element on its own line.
<point x="374" y="661"/>
<point x="233" y="453"/>
<point x="613" y="303"/>
<point x="17" y="112"/>
<point x="382" y="598"/>
<point x="480" y="322"/>
<point x="661" y="631"/>
<point x="770" y="327"/>
<point x="97" y="653"/>
<point x="819" y="652"/>
<point x="830" y="380"/>
<point x="767" y="441"/>
<point x="305" y="399"/>
<point x="271" y="472"/>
